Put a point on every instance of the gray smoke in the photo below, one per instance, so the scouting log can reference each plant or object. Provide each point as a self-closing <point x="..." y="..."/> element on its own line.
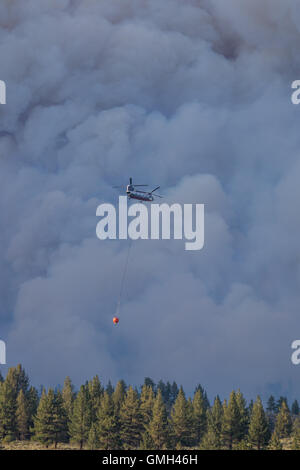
<point x="193" y="95"/>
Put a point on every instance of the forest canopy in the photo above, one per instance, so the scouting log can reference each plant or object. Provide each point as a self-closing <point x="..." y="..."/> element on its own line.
<point x="152" y="417"/>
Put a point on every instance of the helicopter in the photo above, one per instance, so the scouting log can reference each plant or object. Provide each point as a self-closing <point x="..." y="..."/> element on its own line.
<point x="132" y="193"/>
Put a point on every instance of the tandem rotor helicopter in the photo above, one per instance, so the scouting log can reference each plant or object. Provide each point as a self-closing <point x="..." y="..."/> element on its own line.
<point x="145" y="196"/>
<point x="132" y="193"/>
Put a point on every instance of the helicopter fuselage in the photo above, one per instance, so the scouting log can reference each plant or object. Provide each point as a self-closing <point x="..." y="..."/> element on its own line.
<point x="140" y="196"/>
<point x="133" y="193"/>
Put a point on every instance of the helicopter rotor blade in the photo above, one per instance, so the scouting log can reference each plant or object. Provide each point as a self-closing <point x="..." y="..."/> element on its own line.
<point x="155" y="189"/>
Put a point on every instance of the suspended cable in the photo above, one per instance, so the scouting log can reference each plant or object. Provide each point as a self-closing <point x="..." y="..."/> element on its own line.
<point x="116" y="319"/>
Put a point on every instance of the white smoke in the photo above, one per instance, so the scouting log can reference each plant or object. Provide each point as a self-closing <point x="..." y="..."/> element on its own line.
<point x="192" y="95"/>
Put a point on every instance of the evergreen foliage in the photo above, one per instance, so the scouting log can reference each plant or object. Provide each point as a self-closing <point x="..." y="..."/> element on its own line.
<point x="152" y="417"/>
<point x="108" y="428"/>
<point x="119" y="395"/>
<point x="22" y="417"/>
<point x="158" y="429"/>
<point x="93" y="441"/>
<point x="199" y="415"/>
<point x="45" y="420"/>
<point x="283" y="425"/>
<point x="68" y="396"/>
<point x="271" y="405"/>
<point x="295" y="410"/>
<point x="131" y="423"/>
<point x="259" y="432"/>
<point x="182" y="421"/>
<point x="81" y="418"/>
<point x="231" y="423"/>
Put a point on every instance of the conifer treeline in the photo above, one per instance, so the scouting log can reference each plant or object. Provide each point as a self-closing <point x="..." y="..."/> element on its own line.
<point x="156" y="417"/>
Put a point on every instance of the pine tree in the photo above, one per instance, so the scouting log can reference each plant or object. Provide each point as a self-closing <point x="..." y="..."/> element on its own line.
<point x="275" y="443"/>
<point x="173" y="393"/>
<point x="169" y="393"/>
<point x="210" y="441"/>
<point x="191" y="419"/>
<point x="109" y="388"/>
<point x="166" y="392"/>
<point x="68" y="396"/>
<point x="231" y="430"/>
<point x="131" y="420"/>
<point x="212" y="437"/>
<point x="146" y="442"/>
<point x="16" y="380"/>
<point x="147" y="400"/>
<point x="60" y="419"/>
<point x="119" y="395"/>
<point x="296" y="435"/>
<point x="81" y="419"/>
<point x="93" y="441"/>
<point x="295" y="408"/>
<point x="116" y="418"/>
<point x="107" y="424"/>
<point x="95" y="391"/>
<point x="283" y="425"/>
<point x="244" y="417"/>
<point x="149" y="383"/>
<point x="158" y="428"/>
<point x="44" y="421"/>
<point x="271" y="405"/>
<point x="8" y="407"/>
<point x="215" y="415"/>
<point x="32" y="406"/>
<point x="22" y="417"/>
<point x="204" y="395"/>
<point x="162" y="387"/>
<point x="259" y="432"/>
<point x="199" y="415"/>
<point x="182" y="420"/>
<point x="242" y="445"/>
<point x="279" y="403"/>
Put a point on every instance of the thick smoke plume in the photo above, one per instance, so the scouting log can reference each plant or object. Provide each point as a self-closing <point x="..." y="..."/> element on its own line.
<point x="192" y="95"/>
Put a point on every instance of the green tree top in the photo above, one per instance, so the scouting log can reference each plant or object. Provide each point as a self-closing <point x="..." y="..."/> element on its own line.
<point x="231" y="428"/>
<point x="108" y="428"/>
<point x="68" y="396"/>
<point x="119" y="395"/>
<point x="158" y="428"/>
<point x="259" y="432"/>
<point x="131" y="420"/>
<point x="182" y="420"/>
<point x="81" y="417"/>
<point x="199" y="415"/>
<point x="283" y="425"/>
